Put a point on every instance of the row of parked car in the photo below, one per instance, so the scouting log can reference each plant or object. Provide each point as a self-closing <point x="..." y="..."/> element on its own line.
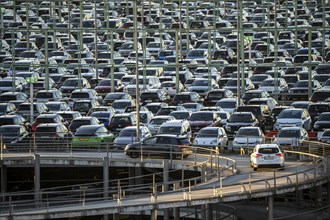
<point x="81" y="67"/>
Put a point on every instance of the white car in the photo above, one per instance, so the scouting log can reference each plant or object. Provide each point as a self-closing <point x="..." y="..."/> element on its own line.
<point x="211" y="137"/>
<point x="292" y="118"/>
<point x="157" y="121"/>
<point x="267" y="155"/>
<point x="291" y="136"/>
<point x="248" y="137"/>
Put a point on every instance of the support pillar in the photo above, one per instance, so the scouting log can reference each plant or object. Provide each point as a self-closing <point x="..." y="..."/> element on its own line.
<point x="106" y="182"/>
<point x="270" y="208"/>
<point x="154" y="214"/>
<point x="203" y="212"/>
<point x="3" y="178"/>
<point x="134" y="174"/>
<point x="318" y="196"/>
<point x="299" y="198"/>
<point x="328" y="195"/>
<point x="115" y="216"/>
<point x="165" y="180"/>
<point x="37" y="195"/>
<point x="176" y="213"/>
<point x="209" y="212"/>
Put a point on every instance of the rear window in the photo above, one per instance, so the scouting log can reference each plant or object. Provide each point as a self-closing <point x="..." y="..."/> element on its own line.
<point x="269" y="150"/>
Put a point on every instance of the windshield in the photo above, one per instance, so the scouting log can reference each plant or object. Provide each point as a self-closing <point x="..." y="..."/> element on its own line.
<point x="289" y="133"/>
<point x="169" y="130"/>
<point x="248" y="132"/>
<point x="227" y="104"/>
<point x="9" y="130"/>
<point x="240" y="118"/>
<point x="200" y="83"/>
<point x="158" y="121"/>
<point x="208" y="133"/>
<point x="201" y="116"/>
<point x="290" y="114"/>
<point x="127" y="133"/>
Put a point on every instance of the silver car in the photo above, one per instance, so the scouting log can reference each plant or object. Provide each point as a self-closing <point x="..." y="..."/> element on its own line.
<point x="128" y="136"/>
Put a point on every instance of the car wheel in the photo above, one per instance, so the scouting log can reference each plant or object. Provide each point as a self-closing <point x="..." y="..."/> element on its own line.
<point x="255" y="168"/>
<point x="134" y="154"/>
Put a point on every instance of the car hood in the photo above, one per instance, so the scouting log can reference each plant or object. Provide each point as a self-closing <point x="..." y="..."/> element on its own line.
<point x="204" y="140"/>
<point x="247" y="139"/>
<point x="288" y="120"/>
<point x="200" y="123"/>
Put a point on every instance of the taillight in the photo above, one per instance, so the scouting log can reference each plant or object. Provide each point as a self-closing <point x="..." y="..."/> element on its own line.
<point x="280" y="155"/>
<point x="258" y="155"/>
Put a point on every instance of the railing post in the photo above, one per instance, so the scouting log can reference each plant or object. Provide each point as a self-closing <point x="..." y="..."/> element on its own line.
<point x="37" y="195"/>
<point x="270" y="208"/>
<point x="105" y="182"/>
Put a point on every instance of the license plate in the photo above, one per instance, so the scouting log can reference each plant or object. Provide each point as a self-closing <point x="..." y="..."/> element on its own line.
<point x="148" y="100"/>
<point x="83" y="139"/>
<point x="269" y="158"/>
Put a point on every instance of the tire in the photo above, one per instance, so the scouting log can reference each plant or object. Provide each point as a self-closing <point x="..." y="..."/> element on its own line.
<point x="255" y="168"/>
<point x="134" y="154"/>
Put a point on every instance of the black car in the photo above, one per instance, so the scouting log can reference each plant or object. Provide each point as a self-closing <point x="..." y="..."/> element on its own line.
<point x="165" y="145"/>
<point x="185" y="97"/>
<point x="323" y="122"/>
<point x="13" y="133"/>
<point x="215" y="95"/>
<point x="240" y="119"/>
<point x="261" y="112"/>
<point x="15" y="120"/>
<point x="120" y="121"/>
<point x="110" y="97"/>
<point x="154" y="95"/>
<point x="315" y="109"/>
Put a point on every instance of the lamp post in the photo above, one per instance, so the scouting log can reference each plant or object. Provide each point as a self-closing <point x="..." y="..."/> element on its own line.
<point x="137" y="92"/>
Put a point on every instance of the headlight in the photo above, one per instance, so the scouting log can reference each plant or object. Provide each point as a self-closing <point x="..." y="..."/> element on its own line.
<point x="228" y="128"/>
<point x="195" y="142"/>
<point x="316" y="126"/>
<point x="127" y="147"/>
<point x="235" y="142"/>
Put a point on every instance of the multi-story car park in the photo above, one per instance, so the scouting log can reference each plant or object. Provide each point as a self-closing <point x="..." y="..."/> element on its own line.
<point x="235" y="43"/>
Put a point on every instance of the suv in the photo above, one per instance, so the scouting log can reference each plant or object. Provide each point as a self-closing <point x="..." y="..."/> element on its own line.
<point x="154" y="95"/>
<point x="48" y="95"/>
<point x="24" y="109"/>
<point x="315" y="109"/>
<point x="185" y="97"/>
<point x="215" y="95"/>
<point x="170" y="146"/>
<point x="51" y="133"/>
<point x="147" y="83"/>
<point x="120" y="121"/>
<point x="48" y="118"/>
<point x="203" y="119"/>
<point x="83" y="106"/>
<point x="267" y="155"/>
<point x="15" y="120"/>
<point x="261" y="112"/>
<point x="292" y="118"/>
<point x="69" y="115"/>
<point x="241" y="119"/>
<point x="177" y="127"/>
<point x="87" y="94"/>
<point x="80" y="121"/>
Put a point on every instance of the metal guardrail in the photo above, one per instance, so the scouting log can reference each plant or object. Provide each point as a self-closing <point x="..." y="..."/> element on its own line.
<point x="90" y="193"/>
